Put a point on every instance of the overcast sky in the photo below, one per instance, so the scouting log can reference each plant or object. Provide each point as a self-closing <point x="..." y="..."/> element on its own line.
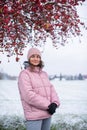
<point x="70" y="59"/>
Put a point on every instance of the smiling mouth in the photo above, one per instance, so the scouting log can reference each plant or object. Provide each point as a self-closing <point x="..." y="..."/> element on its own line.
<point x="35" y="63"/>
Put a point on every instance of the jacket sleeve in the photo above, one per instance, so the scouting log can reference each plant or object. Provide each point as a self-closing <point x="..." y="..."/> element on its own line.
<point x="53" y="93"/>
<point x="27" y="93"/>
<point x="54" y="96"/>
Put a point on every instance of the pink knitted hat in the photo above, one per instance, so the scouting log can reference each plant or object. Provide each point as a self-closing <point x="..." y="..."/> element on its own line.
<point x="33" y="51"/>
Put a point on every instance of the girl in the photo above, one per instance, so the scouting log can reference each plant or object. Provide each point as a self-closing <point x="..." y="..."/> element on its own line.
<point x="38" y="96"/>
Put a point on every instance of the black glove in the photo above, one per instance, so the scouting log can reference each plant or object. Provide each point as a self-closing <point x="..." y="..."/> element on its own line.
<point x="51" y="108"/>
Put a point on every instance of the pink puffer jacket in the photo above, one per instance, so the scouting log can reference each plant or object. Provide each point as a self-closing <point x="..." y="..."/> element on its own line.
<point x="36" y="93"/>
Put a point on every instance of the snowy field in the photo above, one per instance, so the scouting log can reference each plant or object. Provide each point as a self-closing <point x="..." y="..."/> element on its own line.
<point x="72" y="112"/>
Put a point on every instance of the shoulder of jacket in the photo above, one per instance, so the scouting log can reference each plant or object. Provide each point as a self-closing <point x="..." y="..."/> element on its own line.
<point x="44" y="72"/>
<point x="25" y="71"/>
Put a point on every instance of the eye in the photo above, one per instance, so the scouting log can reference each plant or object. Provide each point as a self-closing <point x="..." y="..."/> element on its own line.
<point x="32" y="56"/>
<point x="35" y="56"/>
<point x="38" y="56"/>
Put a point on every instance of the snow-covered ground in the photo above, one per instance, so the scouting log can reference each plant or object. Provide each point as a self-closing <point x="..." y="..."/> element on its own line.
<point x="73" y="98"/>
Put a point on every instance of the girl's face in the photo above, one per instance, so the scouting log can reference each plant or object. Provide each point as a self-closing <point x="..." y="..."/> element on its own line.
<point x="35" y="59"/>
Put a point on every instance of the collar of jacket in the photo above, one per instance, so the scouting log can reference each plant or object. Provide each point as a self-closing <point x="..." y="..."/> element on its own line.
<point x="34" y="69"/>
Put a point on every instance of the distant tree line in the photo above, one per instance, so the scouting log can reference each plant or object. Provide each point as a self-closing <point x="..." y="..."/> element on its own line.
<point x="68" y="77"/>
<point x="6" y="76"/>
<point x="51" y="77"/>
